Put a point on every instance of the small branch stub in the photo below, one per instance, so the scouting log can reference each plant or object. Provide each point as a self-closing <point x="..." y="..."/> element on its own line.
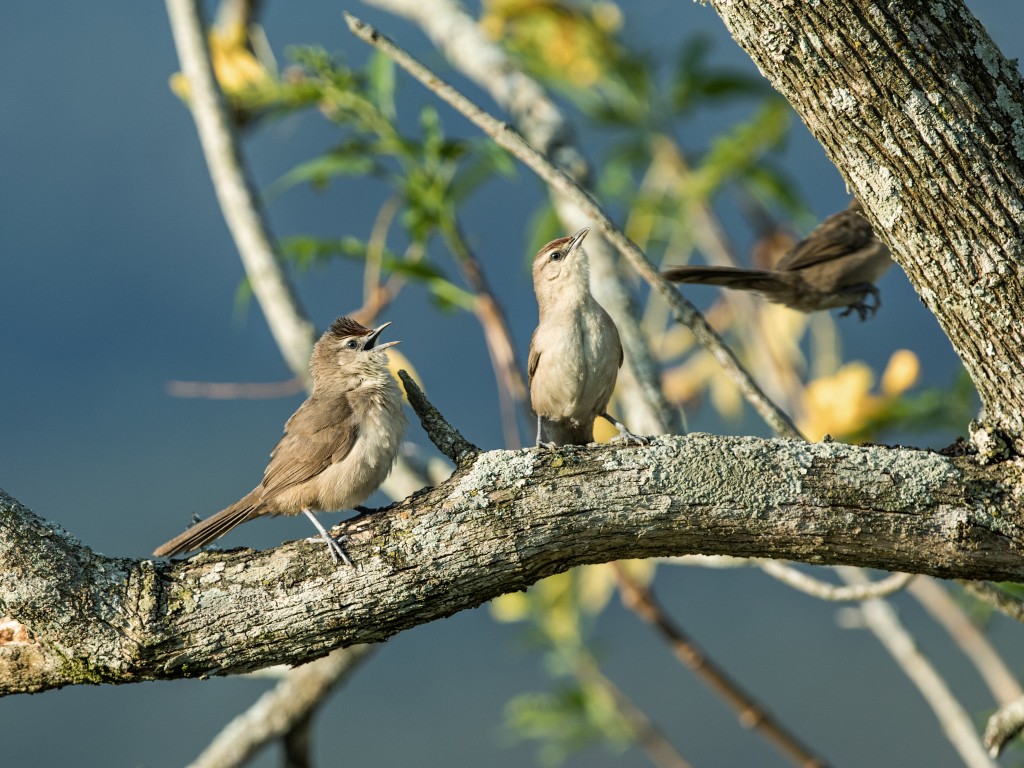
<point x="442" y="434"/>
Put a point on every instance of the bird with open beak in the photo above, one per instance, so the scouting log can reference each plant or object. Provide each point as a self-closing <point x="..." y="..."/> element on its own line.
<point x="337" y="448"/>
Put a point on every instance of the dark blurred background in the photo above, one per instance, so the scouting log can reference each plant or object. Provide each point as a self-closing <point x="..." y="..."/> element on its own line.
<point x="118" y="275"/>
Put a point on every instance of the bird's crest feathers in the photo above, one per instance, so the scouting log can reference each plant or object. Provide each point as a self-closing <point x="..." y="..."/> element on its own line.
<point x="346" y="326"/>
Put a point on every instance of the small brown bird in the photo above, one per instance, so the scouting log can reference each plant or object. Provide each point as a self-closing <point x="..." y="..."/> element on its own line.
<point x="835" y="266"/>
<point x="337" y="447"/>
<point x="575" y="353"/>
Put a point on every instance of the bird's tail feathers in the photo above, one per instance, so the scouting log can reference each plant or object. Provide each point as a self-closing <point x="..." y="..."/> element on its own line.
<point x="213" y="527"/>
<point x="730" y="277"/>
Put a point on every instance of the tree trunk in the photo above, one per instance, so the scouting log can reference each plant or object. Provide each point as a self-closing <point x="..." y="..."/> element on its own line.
<point x="924" y="117"/>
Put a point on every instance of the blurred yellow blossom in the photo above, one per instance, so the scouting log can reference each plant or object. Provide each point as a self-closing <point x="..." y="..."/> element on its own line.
<point x="901" y="373"/>
<point x="572" y="42"/>
<point x="843" y="404"/>
<point x="234" y="64"/>
<point x="515" y="606"/>
<point x="399" y="362"/>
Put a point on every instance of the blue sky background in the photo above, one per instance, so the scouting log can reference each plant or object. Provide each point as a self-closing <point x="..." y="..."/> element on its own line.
<point x="118" y="275"/>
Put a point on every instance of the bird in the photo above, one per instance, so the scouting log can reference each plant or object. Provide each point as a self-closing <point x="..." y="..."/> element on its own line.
<point x="575" y="352"/>
<point x="337" y="447"/>
<point x="836" y="265"/>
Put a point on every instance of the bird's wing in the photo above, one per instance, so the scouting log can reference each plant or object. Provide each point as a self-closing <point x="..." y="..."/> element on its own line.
<point x="840" y="234"/>
<point x="318" y="434"/>
<point x="531" y="366"/>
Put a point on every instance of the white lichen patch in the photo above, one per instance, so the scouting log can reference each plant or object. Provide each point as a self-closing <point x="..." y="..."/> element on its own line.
<point x="841" y="100"/>
<point x="493" y="469"/>
<point x="988" y="56"/>
<point x="214" y="575"/>
<point x="905" y="475"/>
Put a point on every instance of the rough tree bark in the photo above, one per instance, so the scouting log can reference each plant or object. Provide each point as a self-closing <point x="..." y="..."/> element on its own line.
<point x="504" y="520"/>
<point x="924" y="116"/>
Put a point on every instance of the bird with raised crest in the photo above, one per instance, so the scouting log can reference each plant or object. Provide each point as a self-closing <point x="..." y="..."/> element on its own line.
<point x="337" y="448"/>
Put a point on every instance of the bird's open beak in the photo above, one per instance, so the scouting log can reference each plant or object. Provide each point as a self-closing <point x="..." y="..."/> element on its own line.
<point x="577" y="240"/>
<point x="371" y="340"/>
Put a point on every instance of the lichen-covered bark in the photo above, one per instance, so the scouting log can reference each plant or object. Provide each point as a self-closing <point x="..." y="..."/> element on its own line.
<point x="500" y="523"/>
<point x="924" y="117"/>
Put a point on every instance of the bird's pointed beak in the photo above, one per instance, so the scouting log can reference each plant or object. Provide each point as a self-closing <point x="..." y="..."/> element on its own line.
<point x="371" y="340"/>
<point x="577" y="240"/>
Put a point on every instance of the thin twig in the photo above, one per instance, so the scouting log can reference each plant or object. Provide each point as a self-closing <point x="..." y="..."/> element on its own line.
<point x="645" y="733"/>
<point x="809" y="585"/>
<point x="994" y="596"/>
<point x="881" y="619"/>
<point x="229" y="390"/>
<point x="508" y="138"/>
<point x="291" y="701"/>
<point x="236" y="192"/>
<point x="1004" y="725"/>
<point x="642" y="602"/>
<point x="944" y="609"/>
<point x="512" y="392"/>
<point x="442" y="434"/>
<point x="460" y="38"/>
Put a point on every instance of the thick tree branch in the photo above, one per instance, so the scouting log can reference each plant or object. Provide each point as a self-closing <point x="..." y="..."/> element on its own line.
<point x="503" y="521"/>
<point x="924" y="116"/>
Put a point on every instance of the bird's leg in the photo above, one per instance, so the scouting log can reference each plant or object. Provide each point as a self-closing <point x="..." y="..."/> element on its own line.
<point x="624" y="434"/>
<point x="337" y="553"/>
<point x="365" y="510"/>
<point x="860" y="306"/>
<point x="540" y="436"/>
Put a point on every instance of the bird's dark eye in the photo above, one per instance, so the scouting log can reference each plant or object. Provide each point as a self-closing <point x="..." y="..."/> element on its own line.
<point x="556" y="256"/>
<point x="351" y="344"/>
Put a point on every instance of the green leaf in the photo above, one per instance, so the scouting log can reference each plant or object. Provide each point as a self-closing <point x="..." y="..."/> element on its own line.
<point x="735" y="153"/>
<point x="381" y="80"/>
<point x="486" y="161"/>
<point x="350" y="159"/>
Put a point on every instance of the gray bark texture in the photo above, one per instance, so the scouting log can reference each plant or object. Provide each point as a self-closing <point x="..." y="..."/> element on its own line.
<point x="504" y="520"/>
<point x="924" y="116"/>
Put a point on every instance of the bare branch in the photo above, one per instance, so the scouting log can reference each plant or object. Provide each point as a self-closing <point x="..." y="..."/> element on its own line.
<point x="235" y="191"/>
<point x="641" y="601"/>
<point x="275" y="713"/>
<point x="994" y="596"/>
<point x="508" y="138"/>
<point x="975" y="646"/>
<point x="442" y="434"/>
<point x="825" y="591"/>
<point x="881" y="619"/>
<point x="230" y="390"/>
<point x="1003" y="726"/>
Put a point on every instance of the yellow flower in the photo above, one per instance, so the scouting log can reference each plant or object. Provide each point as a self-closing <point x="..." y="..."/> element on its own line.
<point x="842" y="404"/>
<point x="570" y="41"/>
<point x="234" y="64"/>
<point x="901" y="373"/>
<point x="839" y="404"/>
